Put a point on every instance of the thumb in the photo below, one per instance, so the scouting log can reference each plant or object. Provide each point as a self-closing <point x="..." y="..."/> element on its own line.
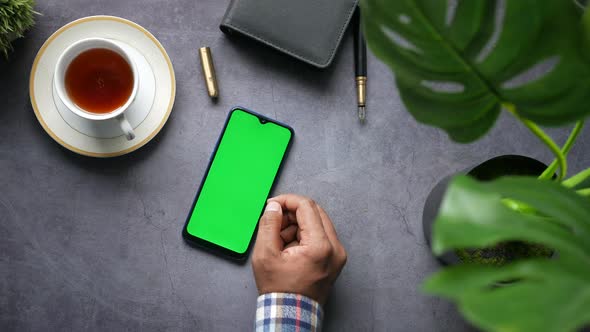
<point x="269" y="230"/>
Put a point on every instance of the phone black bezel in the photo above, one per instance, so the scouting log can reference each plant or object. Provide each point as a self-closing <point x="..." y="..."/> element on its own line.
<point x="212" y="247"/>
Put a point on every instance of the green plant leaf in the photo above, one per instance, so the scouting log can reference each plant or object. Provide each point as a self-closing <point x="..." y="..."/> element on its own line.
<point x="473" y="214"/>
<point x="544" y="295"/>
<point x="16" y="16"/>
<point x="551" y="199"/>
<point x="455" y="67"/>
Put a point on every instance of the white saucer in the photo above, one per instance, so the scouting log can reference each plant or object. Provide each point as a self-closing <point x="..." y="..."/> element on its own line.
<point x="148" y="113"/>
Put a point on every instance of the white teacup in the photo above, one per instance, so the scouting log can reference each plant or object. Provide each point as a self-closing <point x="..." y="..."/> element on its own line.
<point x="59" y="80"/>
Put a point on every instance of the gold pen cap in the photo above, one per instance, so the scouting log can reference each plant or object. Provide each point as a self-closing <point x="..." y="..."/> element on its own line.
<point x="209" y="71"/>
<point x="361" y="90"/>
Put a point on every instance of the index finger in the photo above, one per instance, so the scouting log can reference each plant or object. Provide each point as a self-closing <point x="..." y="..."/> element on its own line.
<point x="306" y="212"/>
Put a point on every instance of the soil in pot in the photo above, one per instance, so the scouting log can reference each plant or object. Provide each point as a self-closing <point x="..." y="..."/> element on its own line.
<point x="503" y="253"/>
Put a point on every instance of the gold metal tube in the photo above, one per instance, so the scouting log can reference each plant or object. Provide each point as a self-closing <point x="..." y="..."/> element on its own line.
<point x="361" y="90"/>
<point x="209" y="71"/>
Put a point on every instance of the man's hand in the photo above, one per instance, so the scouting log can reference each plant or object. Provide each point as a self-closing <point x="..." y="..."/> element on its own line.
<point x="296" y="250"/>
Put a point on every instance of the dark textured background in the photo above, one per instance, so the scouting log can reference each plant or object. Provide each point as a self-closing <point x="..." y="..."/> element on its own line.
<point x="90" y="244"/>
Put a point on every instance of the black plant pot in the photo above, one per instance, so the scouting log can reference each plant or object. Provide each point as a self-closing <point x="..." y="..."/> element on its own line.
<point x="486" y="171"/>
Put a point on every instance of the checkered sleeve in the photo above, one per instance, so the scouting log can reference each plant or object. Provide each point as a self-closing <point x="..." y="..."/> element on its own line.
<point x="286" y="312"/>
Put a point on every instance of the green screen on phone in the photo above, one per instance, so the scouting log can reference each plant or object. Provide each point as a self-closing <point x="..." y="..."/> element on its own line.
<point x="239" y="180"/>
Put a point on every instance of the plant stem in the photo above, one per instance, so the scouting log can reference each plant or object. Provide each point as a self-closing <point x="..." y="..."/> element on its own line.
<point x="548" y="173"/>
<point x="537" y="131"/>
<point x="577" y="179"/>
<point x="584" y="192"/>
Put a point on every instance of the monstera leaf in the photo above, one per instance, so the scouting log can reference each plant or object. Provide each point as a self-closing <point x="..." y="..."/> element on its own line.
<point x="543" y="295"/>
<point x="457" y="62"/>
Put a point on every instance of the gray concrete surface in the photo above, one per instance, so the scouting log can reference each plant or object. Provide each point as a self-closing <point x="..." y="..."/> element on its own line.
<point x="90" y="244"/>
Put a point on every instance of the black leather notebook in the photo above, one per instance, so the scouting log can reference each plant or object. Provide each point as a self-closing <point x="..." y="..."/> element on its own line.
<point x="309" y="30"/>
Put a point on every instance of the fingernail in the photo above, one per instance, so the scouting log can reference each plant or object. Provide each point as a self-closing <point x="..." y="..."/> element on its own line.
<point x="273" y="206"/>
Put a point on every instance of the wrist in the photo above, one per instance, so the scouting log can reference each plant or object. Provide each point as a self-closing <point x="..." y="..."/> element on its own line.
<point x="288" y="310"/>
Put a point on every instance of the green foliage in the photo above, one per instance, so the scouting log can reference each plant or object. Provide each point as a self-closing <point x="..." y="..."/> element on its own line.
<point x="16" y="16"/>
<point x="428" y="46"/>
<point x="456" y="66"/>
<point x="545" y="294"/>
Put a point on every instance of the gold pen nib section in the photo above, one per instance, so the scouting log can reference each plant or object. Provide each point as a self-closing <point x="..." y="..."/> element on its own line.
<point x="361" y="90"/>
<point x="209" y="71"/>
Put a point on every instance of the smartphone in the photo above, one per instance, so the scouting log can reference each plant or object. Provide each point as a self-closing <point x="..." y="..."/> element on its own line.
<point x="241" y="174"/>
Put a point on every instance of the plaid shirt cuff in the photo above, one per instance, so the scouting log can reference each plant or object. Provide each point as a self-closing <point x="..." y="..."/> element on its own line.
<point x="286" y="312"/>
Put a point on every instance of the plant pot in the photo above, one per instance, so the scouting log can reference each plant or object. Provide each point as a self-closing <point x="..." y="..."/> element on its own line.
<point x="489" y="170"/>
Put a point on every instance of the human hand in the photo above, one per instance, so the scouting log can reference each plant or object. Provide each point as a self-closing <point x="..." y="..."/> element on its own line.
<point x="296" y="250"/>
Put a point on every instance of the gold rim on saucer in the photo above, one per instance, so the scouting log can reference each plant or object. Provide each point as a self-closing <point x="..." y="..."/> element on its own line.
<point x="79" y="150"/>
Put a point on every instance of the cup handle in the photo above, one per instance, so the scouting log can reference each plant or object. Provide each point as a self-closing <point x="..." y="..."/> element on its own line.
<point x="126" y="127"/>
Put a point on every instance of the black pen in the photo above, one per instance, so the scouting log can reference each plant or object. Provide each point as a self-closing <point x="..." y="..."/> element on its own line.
<point x="360" y="65"/>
